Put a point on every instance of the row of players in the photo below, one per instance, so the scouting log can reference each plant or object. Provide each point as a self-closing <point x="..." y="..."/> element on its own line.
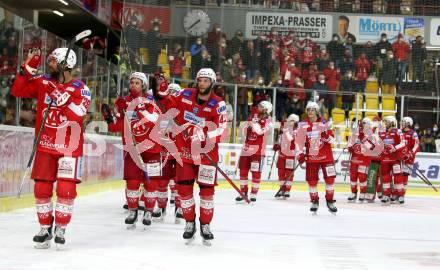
<point x="175" y="136"/>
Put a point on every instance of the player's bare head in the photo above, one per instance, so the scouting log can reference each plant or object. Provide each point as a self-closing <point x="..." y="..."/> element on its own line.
<point x="312" y="109"/>
<point x="205" y="80"/>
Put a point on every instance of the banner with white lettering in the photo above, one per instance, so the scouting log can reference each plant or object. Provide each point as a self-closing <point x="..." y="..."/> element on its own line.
<point x="369" y="28"/>
<point x="435" y="32"/>
<point x="320" y="27"/>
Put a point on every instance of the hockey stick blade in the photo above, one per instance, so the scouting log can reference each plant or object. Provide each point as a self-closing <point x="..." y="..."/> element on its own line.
<point x="82" y="35"/>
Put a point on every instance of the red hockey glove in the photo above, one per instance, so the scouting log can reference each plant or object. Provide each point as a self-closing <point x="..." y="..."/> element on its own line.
<point x="57" y="93"/>
<point x="276" y="147"/>
<point x="350" y="149"/>
<point x="121" y="104"/>
<point x="32" y="62"/>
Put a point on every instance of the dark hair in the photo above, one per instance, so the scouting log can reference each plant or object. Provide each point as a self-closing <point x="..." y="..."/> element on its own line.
<point x="345" y="18"/>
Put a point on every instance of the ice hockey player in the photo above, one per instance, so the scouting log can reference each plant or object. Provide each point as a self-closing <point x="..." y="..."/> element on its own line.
<point x="390" y="167"/>
<point x="254" y="148"/>
<point x="57" y="159"/>
<point x="162" y="93"/>
<point x="317" y="139"/>
<point x="408" y="154"/>
<point x="202" y="115"/>
<point x="141" y="164"/>
<point x="286" y="159"/>
<point x="358" y="161"/>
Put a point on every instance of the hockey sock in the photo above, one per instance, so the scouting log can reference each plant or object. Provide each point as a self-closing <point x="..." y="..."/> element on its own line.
<point x="185" y="190"/>
<point x="386" y="184"/>
<point x="399" y="187"/>
<point x="363" y="182"/>
<point x="256" y="179"/>
<point x="244" y="181"/>
<point x="329" y="188"/>
<point x="353" y="177"/>
<point x="132" y="193"/>
<point x="66" y="194"/>
<point x="162" y="193"/>
<point x="313" y="190"/>
<point x="206" y="204"/>
<point x="150" y="194"/>
<point x="43" y="201"/>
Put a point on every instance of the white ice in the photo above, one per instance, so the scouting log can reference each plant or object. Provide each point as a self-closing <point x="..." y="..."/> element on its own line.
<point x="271" y="234"/>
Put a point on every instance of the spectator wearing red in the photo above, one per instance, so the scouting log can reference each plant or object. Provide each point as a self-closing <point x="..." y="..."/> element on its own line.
<point x="401" y="51"/>
<point x="363" y="68"/>
<point x="332" y="76"/>
<point x="176" y="63"/>
<point x="214" y="37"/>
<point x="274" y="36"/>
<point x="310" y="75"/>
<point x="323" y="59"/>
<point x="6" y="69"/>
<point x="308" y="48"/>
<point x="291" y="74"/>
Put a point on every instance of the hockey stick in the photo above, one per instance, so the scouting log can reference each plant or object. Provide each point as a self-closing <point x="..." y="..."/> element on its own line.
<point x="271" y="166"/>
<point x="285" y="181"/>
<point x="227" y="178"/>
<point x="62" y="65"/>
<point x="349" y="161"/>
<point x="419" y="173"/>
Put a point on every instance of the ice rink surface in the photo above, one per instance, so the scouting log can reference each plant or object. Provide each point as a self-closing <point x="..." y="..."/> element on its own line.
<point x="271" y="234"/>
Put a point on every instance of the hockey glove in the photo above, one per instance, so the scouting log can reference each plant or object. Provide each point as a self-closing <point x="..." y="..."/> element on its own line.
<point x="301" y="158"/>
<point x="30" y="67"/>
<point x="121" y="104"/>
<point x="276" y="147"/>
<point x="57" y="93"/>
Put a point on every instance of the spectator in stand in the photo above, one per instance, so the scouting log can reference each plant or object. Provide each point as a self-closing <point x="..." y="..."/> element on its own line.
<point x="299" y="90"/>
<point x="381" y="49"/>
<point x="242" y="98"/>
<point x="4" y="90"/>
<point x="250" y="60"/>
<point x="308" y="48"/>
<point x="281" y="97"/>
<point x="366" y="6"/>
<point x="343" y="33"/>
<point x="154" y="44"/>
<point x="401" y="51"/>
<point x="206" y="59"/>
<point x="5" y="56"/>
<point x="259" y="93"/>
<point x="389" y="74"/>
<point x="348" y="46"/>
<point x="291" y="75"/>
<point x="227" y="71"/>
<point x="427" y="142"/>
<point x="323" y="59"/>
<point x="176" y="63"/>
<point x="310" y="75"/>
<point x="219" y="53"/>
<point x="362" y="71"/>
<point x="290" y="41"/>
<point x="214" y="37"/>
<point x="332" y="76"/>
<point x="6" y="69"/>
<point x="325" y="94"/>
<point x="348" y="84"/>
<point x="418" y="60"/>
<point x="237" y="43"/>
<point x="336" y="50"/>
<point x="285" y="60"/>
<point x="294" y="105"/>
<point x="347" y="63"/>
<point x="196" y="56"/>
<point x="370" y="54"/>
<point x="393" y="6"/>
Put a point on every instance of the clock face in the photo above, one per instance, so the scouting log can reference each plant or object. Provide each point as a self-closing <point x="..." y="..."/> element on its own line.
<point x="196" y="22"/>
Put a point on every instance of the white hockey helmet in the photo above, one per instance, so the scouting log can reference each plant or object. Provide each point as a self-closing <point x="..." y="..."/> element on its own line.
<point x="59" y="54"/>
<point x="207" y="73"/>
<point x="313" y="105"/>
<point x="293" y="118"/>
<point x="390" y="119"/>
<point x="408" y="120"/>
<point x="265" y="105"/>
<point x="366" y="121"/>
<point x="141" y="76"/>
<point x="174" y="88"/>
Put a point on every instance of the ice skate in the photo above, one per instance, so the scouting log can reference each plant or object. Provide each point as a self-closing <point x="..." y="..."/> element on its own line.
<point x="401" y="200"/>
<point x="173" y="198"/>
<point x="43" y="237"/>
<point x="279" y="195"/>
<point x="314" y="207"/>
<point x="206" y="234"/>
<point x="159" y="214"/>
<point x="253" y="197"/>
<point x="190" y="232"/>
<point x="239" y="198"/>
<point x="59" y="236"/>
<point x="361" y="197"/>
<point x="331" y="207"/>
<point x="385" y="200"/>
<point x="178" y="215"/>
<point x="379" y="195"/>
<point x="286" y="195"/>
<point x="352" y="198"/>
<point x="131" y="219"/>
<point x="146" y="220"/>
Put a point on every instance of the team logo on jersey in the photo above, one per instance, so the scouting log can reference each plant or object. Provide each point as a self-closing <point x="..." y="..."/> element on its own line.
<point x="192" y="118"/>
<point x="195" y="110"/>
<point x="189" y="102"/>
<point x="86" y="93"/>
<point x="186" y="93"/>
<point x="76" y="84"/>
<point x="70" y="89"/>
<point x="206" y="109"/>
<point x="212" y="102"/>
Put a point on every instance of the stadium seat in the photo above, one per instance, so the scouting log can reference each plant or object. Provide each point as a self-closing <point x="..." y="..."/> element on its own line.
<point x="144" y="54"/>
<point x="338" y="116"/>
<point x="372" y="102"/>
<point x="388" y="114"/>
<point x="388" y="103"/>
<point x="361" y="102"/>
<point x="187" y="59"/>
<point x="352" y="114"/>
<point x="372" y="85"/>
<point x="371" y="115"/>
<point x="185" y="74"/>
<point x="163" y="58"/>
